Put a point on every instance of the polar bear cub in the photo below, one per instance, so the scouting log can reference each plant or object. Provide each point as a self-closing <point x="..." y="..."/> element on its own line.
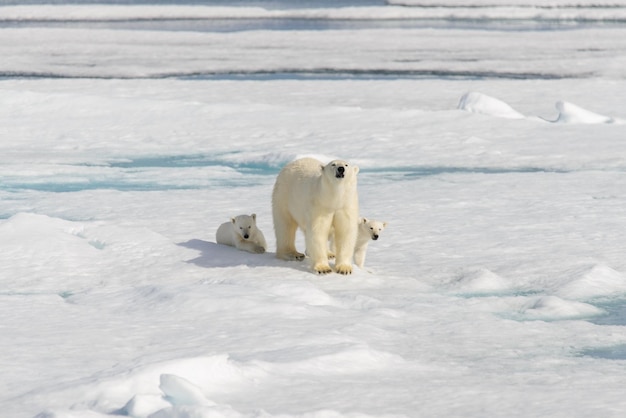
<point x="241" y="232"/>
<point x="369" y="229"/>
<point x="316" y="197"/>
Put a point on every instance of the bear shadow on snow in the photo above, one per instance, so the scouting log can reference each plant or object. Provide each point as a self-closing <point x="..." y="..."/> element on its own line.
<point x="217" y="255"/>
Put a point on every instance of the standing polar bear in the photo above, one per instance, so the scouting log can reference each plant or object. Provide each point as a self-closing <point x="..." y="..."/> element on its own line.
<point x="241" y="232"/>
<point x="317" y="197"/>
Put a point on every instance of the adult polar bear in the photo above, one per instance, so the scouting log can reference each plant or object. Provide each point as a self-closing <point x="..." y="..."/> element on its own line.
<point x="315" y="197"/>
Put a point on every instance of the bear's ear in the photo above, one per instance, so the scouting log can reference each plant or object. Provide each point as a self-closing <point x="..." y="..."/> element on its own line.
<point x="385" y="224"/>
<point x="356" y="169"/>
<point x="253" y="217"/>
<point x="362" y="220"/>
<point x="233" y="220"/>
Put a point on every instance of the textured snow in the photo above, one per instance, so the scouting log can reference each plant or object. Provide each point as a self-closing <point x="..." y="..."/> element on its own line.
<point x="496" y="154"/>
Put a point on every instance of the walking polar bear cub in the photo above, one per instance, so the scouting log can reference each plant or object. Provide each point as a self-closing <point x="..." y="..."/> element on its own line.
<point x="369" y="229"/>
<point x="315" y="198"/>
<point x="241" y="232"/>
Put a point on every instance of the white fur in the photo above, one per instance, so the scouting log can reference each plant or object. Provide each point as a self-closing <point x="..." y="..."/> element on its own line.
<point x="369" y="229"/>
<point x="241" y="232"/>
<point x="315" y="197"/>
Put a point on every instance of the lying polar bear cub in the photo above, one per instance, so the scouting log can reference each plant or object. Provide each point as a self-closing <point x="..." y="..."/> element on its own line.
<point x="241" y="232"/>
<point x="369" y="229"/>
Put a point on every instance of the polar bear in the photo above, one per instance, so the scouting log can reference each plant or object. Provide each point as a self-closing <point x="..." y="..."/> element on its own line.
<point x="241" y="232"/>
<point x="369" y="229"/>
<point x="315" y="197"/>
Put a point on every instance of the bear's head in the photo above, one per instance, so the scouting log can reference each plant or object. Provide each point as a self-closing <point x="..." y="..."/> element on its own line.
<point x="244" y="225"/>
<point x="340" y="169"/>
<point x="371" y="227"/>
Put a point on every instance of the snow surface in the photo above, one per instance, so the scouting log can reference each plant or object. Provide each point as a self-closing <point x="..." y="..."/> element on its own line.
<point x="497" y="156"/>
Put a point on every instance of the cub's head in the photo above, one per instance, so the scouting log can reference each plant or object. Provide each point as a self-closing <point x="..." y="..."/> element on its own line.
<point x="244" y="225"/>
<point x="340" y="169"/>
<point x="371" y="227"/>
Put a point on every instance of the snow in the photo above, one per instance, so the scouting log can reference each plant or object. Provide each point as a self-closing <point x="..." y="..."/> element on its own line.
<point x="481" y="103"/>
<point x="495" y="153"/>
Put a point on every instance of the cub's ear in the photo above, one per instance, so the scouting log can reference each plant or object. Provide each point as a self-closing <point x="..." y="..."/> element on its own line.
<point x="362" y="220"/>
<point x="322" y="166"/>
<point x="385" y="224"/>
<point x="253" y="217"/>
<point x="233" y="220"/>
<point x="356" y="169"/>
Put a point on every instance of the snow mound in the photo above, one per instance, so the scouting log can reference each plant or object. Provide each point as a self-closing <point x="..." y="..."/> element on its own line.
<point x="180" y="391"/>
<point x="172" y="389"/>
<point x="324" y="361"/>
<point x="480" y="281"/>
<point x="144" y="405"/>
<point x="481" y="103"/>
<point x="570" y="113"/>
<point x="553" y="308"/>
<point x="46" y="251"/>
<point x="592" y="282"/>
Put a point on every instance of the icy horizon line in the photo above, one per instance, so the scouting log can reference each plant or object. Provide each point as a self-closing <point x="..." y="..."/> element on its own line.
<point x="586" y="12"/>
<point x="305" y="74"/>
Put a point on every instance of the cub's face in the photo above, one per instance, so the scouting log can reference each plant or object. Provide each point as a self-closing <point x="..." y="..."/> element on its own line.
<point x="340" y="169"/>
<point x="244" y="225"/>
<point x="371" y="227"/>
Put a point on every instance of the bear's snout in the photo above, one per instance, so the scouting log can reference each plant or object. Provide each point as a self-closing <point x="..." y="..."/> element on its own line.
<point x="374" y="237"/>
<point x="246" y="236"/>
<point x="340" y="172"/>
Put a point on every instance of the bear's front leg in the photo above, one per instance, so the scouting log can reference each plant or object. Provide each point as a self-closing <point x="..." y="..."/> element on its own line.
<point x="251" y="247"/>
<point x="359" y="255"/>
<point x="316" y="236"/>
<point x="346" y="229"/>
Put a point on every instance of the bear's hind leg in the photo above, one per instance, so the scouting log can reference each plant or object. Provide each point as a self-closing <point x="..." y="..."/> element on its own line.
<point x="285" y="230"/>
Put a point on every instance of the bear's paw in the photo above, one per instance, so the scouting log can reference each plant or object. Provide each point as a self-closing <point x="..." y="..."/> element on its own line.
<point x="321" y="268"/>
<point x="290" y="256"/>
<point x="258" y="249"/>
<point x="344" y="269"/>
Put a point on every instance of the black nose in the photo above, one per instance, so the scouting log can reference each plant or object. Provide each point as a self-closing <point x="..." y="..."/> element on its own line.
<point x="340" y="170"/>
<point x="375" y="237"/>
<point x="246" y="236"/>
